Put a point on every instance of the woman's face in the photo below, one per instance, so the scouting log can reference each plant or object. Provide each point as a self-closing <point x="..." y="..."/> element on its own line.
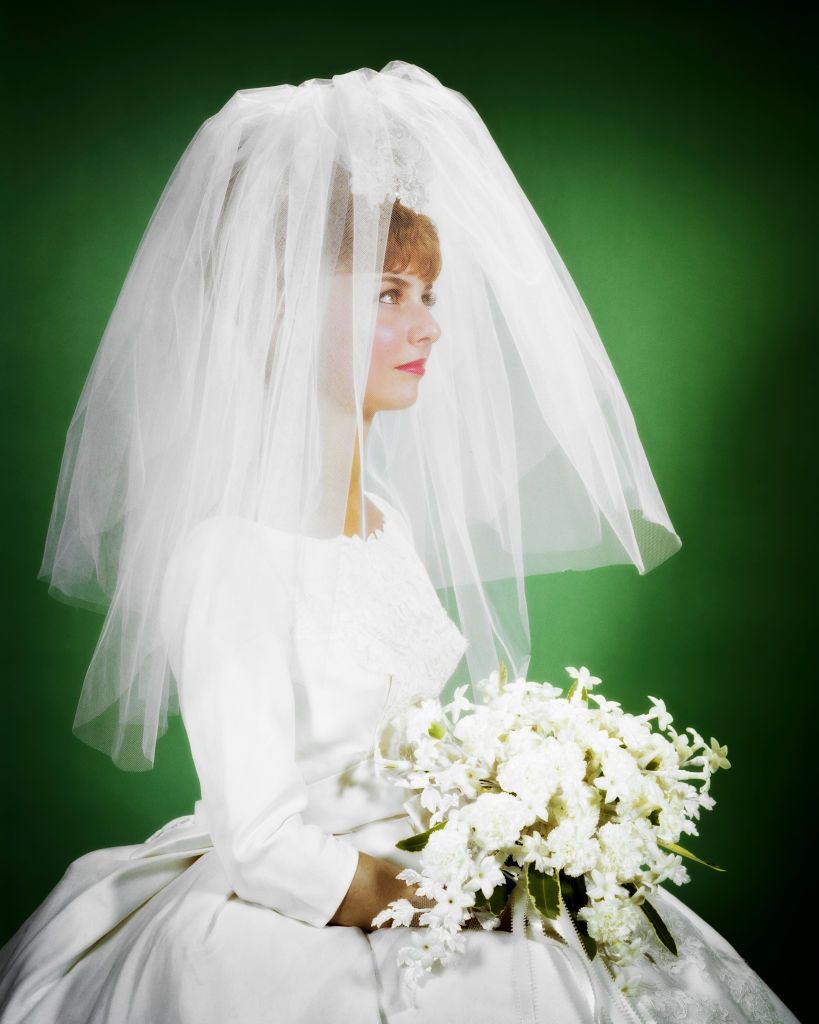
<point x="405" y="332"/>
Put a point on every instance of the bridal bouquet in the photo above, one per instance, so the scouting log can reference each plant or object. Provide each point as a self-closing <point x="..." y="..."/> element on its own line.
<point x="566" y="802"/>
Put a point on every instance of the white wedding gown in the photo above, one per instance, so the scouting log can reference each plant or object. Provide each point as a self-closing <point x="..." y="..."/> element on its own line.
<point x="221" y="916"/>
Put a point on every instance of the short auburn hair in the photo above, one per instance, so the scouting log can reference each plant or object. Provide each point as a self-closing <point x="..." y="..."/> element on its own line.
<point x="412" y="242"/>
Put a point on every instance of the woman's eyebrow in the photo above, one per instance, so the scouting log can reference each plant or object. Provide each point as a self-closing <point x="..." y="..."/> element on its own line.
<point x="400" y="280"/>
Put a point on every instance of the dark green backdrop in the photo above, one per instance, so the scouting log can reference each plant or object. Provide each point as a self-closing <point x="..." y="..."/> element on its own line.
<point x="667" y="153"/>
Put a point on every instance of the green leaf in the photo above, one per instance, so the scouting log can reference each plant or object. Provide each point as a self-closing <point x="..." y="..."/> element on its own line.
<point x="676" y="848"/>
<point x="413" y="844"/>
<point x="544" y="890"/>
<point x="659" y="926"/>
<point x="496" y="901"/>
<point x="656" y="922"/>
<point x="573" y="688"/>
<point x="573" y="890"/>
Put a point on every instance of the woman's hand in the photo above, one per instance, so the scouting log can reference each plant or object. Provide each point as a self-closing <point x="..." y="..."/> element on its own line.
<point x="373" y="887"/>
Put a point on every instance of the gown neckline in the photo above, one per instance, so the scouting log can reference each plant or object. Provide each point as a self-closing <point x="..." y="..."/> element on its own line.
<point x="376" y="535"/>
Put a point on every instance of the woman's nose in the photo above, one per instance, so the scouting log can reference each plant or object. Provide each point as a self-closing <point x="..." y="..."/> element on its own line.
<point x="429" y="328"/>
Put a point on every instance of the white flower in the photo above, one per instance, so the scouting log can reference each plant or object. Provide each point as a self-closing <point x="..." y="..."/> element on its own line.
<point x="448" y="912"/>
<point x="659" y="712"/>
<point x="626" y="952"/>
<point x="489" y="688"/>
<point x="645" y="796"/>
<point x="583" y="676"/>
<point x="426" y="949"/>
<point x="698" y="740"/>
<point x="531" y="776"/>
<point x="682" y="745"/>
<point x="410" y="876"/>
<point x="438" y="803"/>
<point x="579" y="805"/>
<point x="571" y="849"/>
<point x="487" y="877"/>
<point x="495" y="819"/>
<point x="610" y="920"/>
<point x="572" y="765"/>
<point x="429" y="888"/>
<point x="716" y="756"/>
<point x="669" y="866"/>
<point x="622" y="849"/>
<point x="428" y="753"/>
<point x="478" y="735"/>
<point x="605" y="706"/>
<point x="430" y="798"/>
<point x="601" y="885"/>
<point x="521" y="740"/>
<point x="462" y="776"/>
<point x="420" y="717"/>
<point x="445" y="857"/>
<point x="621" y="777"/>
<point x="459" y="703"/>
<point x="634" y="731"/>
<point x="629" y="982"/>
<point x="546" y="691"/>
<point x="533" y="851"/>
<point x="401" y="912"/>
<point x="706" y="801"/>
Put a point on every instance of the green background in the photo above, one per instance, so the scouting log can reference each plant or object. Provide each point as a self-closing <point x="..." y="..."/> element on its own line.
<point x="667" y="152"/>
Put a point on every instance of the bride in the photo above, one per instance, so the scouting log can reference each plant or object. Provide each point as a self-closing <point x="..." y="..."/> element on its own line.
<point x="348" y="399"/>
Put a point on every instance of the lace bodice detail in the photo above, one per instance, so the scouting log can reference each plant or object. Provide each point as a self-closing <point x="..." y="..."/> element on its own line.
<point x="388" y="614"/>
<point x="389" y="606"/>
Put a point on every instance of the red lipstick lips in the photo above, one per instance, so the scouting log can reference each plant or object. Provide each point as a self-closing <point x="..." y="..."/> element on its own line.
<point x="417" y="366"/>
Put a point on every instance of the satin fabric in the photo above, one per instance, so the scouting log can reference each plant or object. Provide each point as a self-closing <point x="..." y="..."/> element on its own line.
<point x="222" y="914"/>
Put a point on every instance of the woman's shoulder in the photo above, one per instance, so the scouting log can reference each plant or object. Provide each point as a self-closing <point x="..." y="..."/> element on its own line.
<point x="228" y="534"/>
<point x="227" y="565"/>
<point x="229" y="546"/>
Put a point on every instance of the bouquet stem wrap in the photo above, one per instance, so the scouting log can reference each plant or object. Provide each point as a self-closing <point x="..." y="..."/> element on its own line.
<point x="605" y="1004"/>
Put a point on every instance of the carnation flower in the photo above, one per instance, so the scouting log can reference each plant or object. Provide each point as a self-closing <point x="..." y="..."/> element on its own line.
<point x="571" y="849"/>
<point x="446" y="858"/>
<point x="610" y="920"/>
<point x="495" y="819"/>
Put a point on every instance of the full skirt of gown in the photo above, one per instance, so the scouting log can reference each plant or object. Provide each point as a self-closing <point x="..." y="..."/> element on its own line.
<point x="153" y="934"/>
<point x="158" y="933"/>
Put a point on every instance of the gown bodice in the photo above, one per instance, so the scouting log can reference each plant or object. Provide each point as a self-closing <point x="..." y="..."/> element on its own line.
<point x="389" y="641"/>
<point x="282" y="705"/>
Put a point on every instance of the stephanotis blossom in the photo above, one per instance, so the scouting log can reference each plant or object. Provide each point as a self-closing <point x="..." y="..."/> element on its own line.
<point x="532" y="785"/>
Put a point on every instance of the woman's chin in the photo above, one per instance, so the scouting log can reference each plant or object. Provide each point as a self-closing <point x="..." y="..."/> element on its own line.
<point x="399" y="398"/>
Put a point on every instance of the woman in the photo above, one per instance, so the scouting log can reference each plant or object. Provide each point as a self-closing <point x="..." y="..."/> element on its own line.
<point x="342" y="281"/>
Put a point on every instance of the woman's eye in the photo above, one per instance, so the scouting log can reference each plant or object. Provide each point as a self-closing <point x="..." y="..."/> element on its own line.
<point x="429" y="300"/>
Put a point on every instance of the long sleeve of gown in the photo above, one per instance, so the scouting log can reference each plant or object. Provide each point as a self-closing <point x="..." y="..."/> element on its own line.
<point x="223" y="611"/>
